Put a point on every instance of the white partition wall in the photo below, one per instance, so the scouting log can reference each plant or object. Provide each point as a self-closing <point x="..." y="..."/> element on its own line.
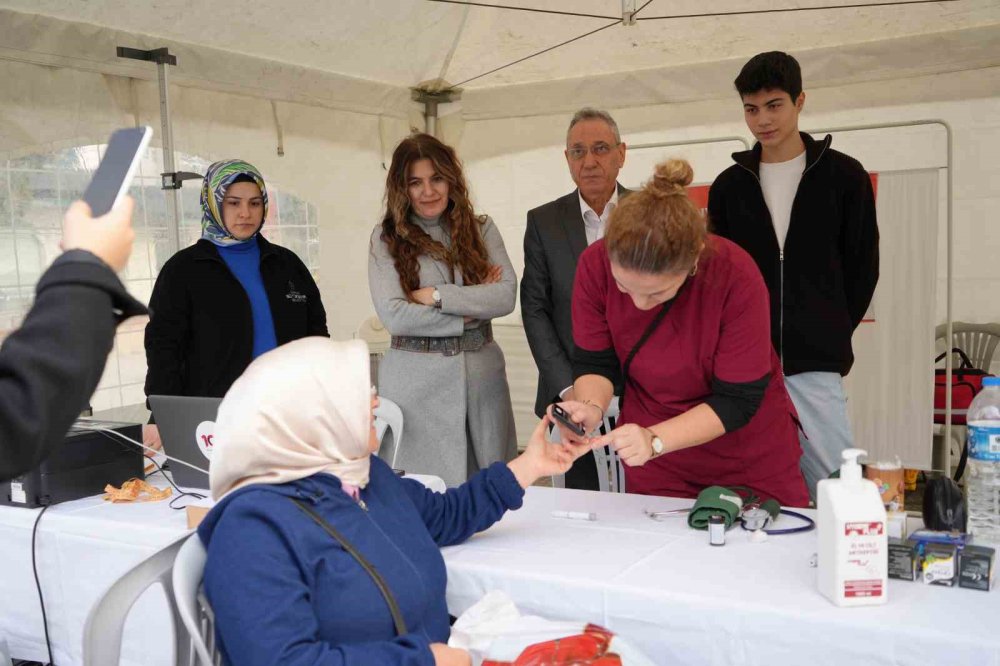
<point x="890" y="392"/>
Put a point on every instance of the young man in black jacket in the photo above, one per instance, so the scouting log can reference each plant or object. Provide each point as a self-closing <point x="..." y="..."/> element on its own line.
<point x="50" y="366"/>
<point x="806" y="214"/>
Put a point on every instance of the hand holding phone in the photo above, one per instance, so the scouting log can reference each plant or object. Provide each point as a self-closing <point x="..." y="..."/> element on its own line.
<point x="117" y="168"/>
<point x="105" y="229"/>
<point x="108" y="237"/>
<point x="563" y="419"/>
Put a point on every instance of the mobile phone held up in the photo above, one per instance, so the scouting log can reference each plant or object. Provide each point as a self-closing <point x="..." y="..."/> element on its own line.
<point x="562" y="418"/>
<point x="119" y="164"/>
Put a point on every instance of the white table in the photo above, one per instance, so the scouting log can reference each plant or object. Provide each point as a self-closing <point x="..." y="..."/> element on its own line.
<point x="685" y="602"/>
<point x="82" y="548"/>
<point x="659" y="583"/>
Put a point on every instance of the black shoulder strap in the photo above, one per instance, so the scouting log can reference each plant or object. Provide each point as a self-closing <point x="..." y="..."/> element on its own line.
<point x="397" y="615"/>
<point x="650" y="329"/>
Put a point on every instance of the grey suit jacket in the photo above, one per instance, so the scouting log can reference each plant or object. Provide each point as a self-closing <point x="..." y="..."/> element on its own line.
<point x="553" y="241"/>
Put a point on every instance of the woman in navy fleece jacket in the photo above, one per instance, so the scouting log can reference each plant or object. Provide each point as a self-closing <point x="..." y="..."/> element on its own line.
<point x="298" y="426"/>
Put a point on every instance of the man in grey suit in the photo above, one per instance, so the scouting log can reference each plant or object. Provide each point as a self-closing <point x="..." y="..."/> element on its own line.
<point x="556" y="234"/>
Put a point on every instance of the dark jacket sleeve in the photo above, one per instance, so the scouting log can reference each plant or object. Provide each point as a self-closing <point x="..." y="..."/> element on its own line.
<point x="717" y="221"/>
<point x="50" y="366"/>
<point x="167" y="333"/>
<point x="317" y="313"/>
<point x="536" y="313"/>
<point x="859" y="243"/>
<point x="455" y="515"/>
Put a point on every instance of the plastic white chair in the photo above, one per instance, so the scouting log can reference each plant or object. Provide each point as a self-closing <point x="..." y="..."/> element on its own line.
<point x="102" y="632"/>
<point x="372" y="331"/>
<point x="389" y="416"/>
<point x="192" y="606"/>
<point x="610" y="471"/>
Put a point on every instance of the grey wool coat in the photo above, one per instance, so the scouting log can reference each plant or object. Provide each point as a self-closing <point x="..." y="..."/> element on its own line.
<point x="457" y="414"/>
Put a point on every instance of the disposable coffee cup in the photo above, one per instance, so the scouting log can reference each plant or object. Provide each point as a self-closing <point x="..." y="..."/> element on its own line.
<point x="891" y="482"/>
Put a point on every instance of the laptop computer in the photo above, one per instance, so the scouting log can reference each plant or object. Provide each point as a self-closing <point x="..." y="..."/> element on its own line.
<point x="187" y="428"/>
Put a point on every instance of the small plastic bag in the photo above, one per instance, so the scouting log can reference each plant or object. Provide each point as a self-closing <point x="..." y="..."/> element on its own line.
<point x="496" y="634"/>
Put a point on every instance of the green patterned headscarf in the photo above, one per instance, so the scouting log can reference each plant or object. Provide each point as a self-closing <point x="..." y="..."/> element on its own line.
<point x="218" y="178"/>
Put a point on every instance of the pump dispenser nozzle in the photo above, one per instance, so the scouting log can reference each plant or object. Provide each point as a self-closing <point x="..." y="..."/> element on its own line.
<point x="850" y="470"/>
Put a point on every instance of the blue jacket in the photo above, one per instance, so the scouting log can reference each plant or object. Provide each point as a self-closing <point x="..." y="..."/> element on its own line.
<point x="284" y="592"/>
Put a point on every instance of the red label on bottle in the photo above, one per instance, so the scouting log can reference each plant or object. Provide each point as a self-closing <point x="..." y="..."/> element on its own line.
<point x="864" y="529"/>
<point x="862" y="588"/>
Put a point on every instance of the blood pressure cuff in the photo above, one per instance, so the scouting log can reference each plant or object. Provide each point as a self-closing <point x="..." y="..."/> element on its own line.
<point x="715" y="501"/>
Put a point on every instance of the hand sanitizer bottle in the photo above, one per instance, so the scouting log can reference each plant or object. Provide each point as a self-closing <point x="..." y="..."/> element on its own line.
<point x="853" y="557"/>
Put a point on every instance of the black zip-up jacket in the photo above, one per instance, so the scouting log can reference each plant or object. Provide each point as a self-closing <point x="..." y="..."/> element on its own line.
<point x="823" y="282"/>
<point x="200" y="334"/>
<point x="50" y="366"/>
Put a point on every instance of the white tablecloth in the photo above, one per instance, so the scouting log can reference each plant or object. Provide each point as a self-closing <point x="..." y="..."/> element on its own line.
<point x="685" y="602"/>
<point x="82" y="548"/>
<point x="661" y="584"/>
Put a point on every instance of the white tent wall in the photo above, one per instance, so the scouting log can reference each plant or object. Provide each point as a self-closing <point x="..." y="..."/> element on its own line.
<point x="231" y="92"/>
<point x="333" y="159"/>
<point x="516" y="163"/>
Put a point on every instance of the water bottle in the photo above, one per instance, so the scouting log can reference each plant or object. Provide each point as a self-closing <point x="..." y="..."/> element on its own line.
<point x="983" y="477"/>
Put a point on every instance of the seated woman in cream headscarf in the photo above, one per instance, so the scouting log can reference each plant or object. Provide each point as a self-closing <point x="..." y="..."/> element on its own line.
<point x="294" y="436"/>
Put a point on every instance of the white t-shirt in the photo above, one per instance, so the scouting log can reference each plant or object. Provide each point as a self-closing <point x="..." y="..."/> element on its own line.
<point x="780" y="182"/>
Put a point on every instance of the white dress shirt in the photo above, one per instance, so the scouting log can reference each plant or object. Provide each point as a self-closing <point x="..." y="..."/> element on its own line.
<point x="593" y="222"/>
<point x="594" y="225"/>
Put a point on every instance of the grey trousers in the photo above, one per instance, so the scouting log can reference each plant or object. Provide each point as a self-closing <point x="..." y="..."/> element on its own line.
<point x="821" y="403"/>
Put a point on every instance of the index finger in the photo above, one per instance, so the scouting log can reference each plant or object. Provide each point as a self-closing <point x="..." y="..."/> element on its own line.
<point x="78" y="208"/>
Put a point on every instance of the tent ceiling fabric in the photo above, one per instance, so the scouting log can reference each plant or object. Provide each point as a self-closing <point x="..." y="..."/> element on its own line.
<point x="401" y="43"/>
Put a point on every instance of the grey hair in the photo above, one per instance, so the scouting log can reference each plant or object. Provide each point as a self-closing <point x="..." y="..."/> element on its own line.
<point x="590" y="113"/>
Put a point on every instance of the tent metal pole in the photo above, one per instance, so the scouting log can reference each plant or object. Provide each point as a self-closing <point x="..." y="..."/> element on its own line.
<point x="949" y="261"/>
<point x="691" y="142"/>
<point x="170" y="180"/>
<point x="167" y="140"/>
<point x="431" y="100"/>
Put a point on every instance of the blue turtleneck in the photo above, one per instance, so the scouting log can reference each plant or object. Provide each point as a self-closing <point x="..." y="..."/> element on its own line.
<point x="243" y="260"/>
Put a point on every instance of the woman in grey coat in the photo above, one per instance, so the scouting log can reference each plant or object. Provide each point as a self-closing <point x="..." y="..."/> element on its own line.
<point x="438" y="274"/>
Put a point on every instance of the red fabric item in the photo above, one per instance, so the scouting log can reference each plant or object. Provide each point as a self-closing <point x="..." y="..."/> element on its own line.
<point x="587" y="649"/>
<point x="719" y="326"/>
<point x="966" y="383"/>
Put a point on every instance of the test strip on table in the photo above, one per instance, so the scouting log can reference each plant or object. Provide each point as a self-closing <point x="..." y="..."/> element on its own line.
<point x="574" y="515"/>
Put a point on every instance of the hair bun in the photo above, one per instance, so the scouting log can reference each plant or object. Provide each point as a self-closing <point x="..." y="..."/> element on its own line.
<point x="670" y="178"/>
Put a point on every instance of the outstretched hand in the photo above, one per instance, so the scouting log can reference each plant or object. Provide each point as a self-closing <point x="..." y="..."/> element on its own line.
<point x="544" y="458"/>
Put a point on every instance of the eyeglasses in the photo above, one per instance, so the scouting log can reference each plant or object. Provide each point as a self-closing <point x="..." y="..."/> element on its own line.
<point x="597" y="150"/>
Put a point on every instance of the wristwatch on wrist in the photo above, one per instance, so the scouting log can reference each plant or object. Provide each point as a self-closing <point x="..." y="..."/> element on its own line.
<point x="436" y="296"/>
<point x="656" y="443"/>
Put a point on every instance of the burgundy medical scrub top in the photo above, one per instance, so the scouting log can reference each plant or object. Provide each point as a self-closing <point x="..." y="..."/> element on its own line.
<point x="717" y="327"/>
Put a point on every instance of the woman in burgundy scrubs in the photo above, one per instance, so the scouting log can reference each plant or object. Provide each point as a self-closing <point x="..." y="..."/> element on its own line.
<point x="684" y="315"/>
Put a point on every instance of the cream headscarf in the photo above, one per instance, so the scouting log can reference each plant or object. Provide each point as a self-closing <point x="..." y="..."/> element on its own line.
<point x="300" y="409"/>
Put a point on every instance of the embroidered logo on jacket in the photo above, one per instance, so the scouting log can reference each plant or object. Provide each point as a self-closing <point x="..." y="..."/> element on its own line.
<point x="295" y="296"/>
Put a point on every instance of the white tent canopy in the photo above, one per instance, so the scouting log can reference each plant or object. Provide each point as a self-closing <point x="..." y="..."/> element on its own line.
<point x="364" y="56"/>
<point x="316" y="94"/>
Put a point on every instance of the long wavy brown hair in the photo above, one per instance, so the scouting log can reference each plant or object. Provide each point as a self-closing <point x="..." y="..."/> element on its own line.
<point x="407" y="241"/>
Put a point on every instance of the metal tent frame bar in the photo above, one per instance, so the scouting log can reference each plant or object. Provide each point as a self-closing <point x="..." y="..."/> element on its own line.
<point x="169" y="178"/>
